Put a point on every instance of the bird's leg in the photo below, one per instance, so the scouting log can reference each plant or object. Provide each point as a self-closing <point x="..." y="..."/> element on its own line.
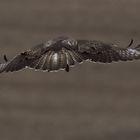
<point x="5" y="58"/>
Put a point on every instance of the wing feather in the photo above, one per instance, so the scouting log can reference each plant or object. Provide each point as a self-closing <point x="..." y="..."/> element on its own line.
<point x="98" y="51"/>
<point x="17" y="63"/>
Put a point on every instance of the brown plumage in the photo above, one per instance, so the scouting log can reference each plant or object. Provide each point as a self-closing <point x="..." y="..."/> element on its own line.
<point x="64" y="52"/>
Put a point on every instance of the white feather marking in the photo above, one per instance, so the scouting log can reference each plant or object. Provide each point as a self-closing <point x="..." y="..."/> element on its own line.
<point x="132" y="51"/>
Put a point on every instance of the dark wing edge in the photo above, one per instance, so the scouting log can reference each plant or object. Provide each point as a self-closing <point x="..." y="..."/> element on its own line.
<point x="25" y="59"/>
<point x="20" y="61"/>
<point x="17" y="63"/>
<point x="97" y="51"/>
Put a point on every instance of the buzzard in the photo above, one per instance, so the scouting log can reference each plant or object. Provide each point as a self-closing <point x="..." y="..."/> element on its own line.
<point x="64" y="52"/>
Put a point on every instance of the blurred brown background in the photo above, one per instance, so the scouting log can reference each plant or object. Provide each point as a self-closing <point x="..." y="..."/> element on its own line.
<point x="92" y="102"/>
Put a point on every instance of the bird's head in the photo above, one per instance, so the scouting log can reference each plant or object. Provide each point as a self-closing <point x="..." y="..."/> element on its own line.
<point x="69" y="42"/>
<point x="60" y="42"/>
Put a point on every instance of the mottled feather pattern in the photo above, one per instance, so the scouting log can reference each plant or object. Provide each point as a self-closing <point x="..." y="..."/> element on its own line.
<point x="63" y="52"/>
<point x="2" y="67"/>
<point x="17" y="63"/>
<point x="98" y="51"/>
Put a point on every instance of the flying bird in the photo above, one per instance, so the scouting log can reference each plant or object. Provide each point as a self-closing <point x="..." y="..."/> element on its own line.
<point x="64" y="52"/>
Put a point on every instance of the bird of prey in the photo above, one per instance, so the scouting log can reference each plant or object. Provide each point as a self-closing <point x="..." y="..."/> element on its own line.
<point x="64" y="52"/>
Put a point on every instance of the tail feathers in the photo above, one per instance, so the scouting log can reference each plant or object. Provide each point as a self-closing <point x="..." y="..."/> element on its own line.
<point x="56" y="60"/>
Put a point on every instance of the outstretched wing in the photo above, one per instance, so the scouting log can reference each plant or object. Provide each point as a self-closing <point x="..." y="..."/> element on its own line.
<point x="98" y="51"/>
<point x="17" y="63"/>
<point x="29" y="58"/>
